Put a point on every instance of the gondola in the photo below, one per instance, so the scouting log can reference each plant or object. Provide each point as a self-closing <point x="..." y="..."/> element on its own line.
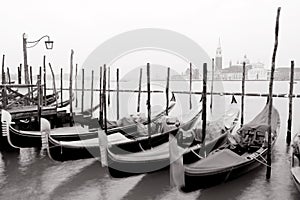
<point x="126" y="164"/>
<point x="22" y="139"/>
<point x="50" y="98"/>
<point x="118" y="142"/>
<point x="295" y="164"/>
<point x="246" y="151"/>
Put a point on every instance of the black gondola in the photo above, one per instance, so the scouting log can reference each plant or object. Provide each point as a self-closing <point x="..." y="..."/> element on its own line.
<point x="246" y="152"/>
<point x="118" y="142"/>
<point x="22" y="139"/>
<point x="127" y="164"/>
<point x="295" y="166"/>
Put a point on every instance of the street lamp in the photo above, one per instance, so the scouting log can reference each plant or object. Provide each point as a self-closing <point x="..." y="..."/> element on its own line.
<point x="48" y="43"/>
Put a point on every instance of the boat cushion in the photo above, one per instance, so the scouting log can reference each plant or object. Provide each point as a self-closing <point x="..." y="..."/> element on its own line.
<point x="112" y="139"/>
<point x="220" y="159"/>
<point x="159" y="152"/>
<point x="260" y="122"/>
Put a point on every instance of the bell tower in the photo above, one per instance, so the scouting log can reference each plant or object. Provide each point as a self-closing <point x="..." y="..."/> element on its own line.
<point x="219" y="57"/>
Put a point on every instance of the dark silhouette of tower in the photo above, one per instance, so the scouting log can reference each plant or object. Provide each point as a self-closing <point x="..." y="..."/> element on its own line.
<point x="219" y="57"/>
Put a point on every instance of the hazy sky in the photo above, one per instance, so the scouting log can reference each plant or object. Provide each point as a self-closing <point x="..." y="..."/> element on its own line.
<point x="244" y="26"/>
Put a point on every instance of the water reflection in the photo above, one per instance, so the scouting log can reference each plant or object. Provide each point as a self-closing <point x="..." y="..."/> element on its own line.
<point x="27" y="156"/>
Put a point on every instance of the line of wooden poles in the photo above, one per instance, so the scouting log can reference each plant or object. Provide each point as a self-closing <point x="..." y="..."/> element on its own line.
<point x="43" y="102"/>
<point x="104" y="89"/>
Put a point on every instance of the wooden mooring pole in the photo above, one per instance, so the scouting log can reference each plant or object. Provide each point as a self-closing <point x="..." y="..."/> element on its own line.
<point x="31" y="80"/>
<point x="45" y="80"/>
<point x="82" y="91"/>
<point x="149" y="102"/>
<point x="61" y="86"/>
<point x="204" y="90"/>
<point x="269" y="161"/>
<point x="167" y="91"/>
<point x="289" y="126"/>
<point x="70" y="88"/>
<point x="76" y="97"/>
<point x="100" y="100"/>
<point x="243" y="94"/>
<point x="39" y="99"/>
<point x="92" y="93"/>
<point x="108" y="86"/>
<point x="104" y="99"/>
<point x="140" y="89"/>
<point x="118" y="94"/>
<point x="4" y="95"/>
<point x="20" y="75"/>
<point x="40" y="89"/>
<point x="212" y="83"/>
<point x="54" y="85"/>
<point x="190" y="96"/>
<point x="8" y="75"/>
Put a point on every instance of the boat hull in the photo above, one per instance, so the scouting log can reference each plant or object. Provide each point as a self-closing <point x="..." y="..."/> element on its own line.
<point x="121" y="169"/>
<point x="296" y="179"/>
<point x="209" y="179"/>
<point x="20" y="140"/>
<point x="61" y="152"/>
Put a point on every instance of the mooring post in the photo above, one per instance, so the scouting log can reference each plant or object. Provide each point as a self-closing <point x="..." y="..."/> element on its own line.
<point x="149" y="103"/>
<point x="167" y="91"/>
<point x="70" y="88"/>
<point x="104" y="99"/>
<point x="40" y="97"/>
<point x="61" y="86"/>
<point x="92" y="93"/>
<point x="54" y="85"/>
<point x="31" y="81"/>
<point x="204" y="91"/>
<point x="140" y="90"/>
<point x="4" y="97"/>
<point x="20" y="77"/>
<point x="76" y="97"/>
<point x="289" y="126"/>
<point x="39" y="101"/>
<point x="45" y="80"/>
<point x="118" y="95"/>
<point x="100" y="100"/>
<point x="8" y="75"/>
<point x="212" y="83"/>
<point x="243" y="93"/>
<point x="269" y="162"/>
<point x="82" y="91"/>
<point x="190" y="95"/>
<point x="108" y="87"/>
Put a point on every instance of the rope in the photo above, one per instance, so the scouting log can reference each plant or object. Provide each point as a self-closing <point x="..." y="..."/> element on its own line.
<point x="227" y="176"/>
<point x="141" y="147"/>
<point x="262" y="158"/>
<point x="261" y="162"/>
<point x="197" y="154"/>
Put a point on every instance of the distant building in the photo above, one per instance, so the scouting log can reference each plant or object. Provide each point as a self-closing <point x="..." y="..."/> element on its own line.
<point x="234" y="72"/>
<point x="195" y="73"/>
<point x="257" y="74"/>
<point x="254" y="71"/>
<point x="218" y="58"/>
<point x="284" y="73"/>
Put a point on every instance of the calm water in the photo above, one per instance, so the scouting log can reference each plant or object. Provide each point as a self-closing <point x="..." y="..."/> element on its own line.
<point x="28" y="175"/>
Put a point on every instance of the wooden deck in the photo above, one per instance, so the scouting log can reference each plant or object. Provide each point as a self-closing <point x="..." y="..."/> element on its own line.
<point x="31" y="111"/>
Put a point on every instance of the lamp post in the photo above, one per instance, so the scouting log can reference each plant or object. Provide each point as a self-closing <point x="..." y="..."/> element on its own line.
<point x="49" y="45"/>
